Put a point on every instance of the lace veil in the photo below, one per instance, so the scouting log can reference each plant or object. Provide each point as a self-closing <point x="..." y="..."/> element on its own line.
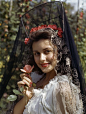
<point x="50" y="13"/>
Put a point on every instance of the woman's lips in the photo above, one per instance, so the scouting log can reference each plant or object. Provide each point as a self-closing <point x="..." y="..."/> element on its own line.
<point x="45" y="64"/>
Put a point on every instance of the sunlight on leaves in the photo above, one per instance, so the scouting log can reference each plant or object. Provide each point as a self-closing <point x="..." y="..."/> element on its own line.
<point x="16" y="92"/>
<point x="12" y="98"/>
<point x="21" y="89"/>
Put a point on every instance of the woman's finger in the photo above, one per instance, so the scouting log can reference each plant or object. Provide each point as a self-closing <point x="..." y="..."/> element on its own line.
<point x="22" y="75"/>
<point x="29" y="84"/>
<point x="29" y="76"/>
<point x="27" y="79"/>
<point x="20" y="83"/>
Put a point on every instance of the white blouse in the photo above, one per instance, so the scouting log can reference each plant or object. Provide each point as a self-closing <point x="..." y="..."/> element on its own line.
<point x="59" y="96"/>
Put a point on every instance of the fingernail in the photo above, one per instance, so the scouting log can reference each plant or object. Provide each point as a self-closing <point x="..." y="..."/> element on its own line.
<point x="27" y="74"/>
<point x="24" y="82"/>
<point x="30" y="82"/>
<point x="29" y="85"/>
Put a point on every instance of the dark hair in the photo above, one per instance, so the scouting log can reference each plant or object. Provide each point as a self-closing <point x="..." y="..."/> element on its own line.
<point x="63" y="52"/>
<point x="45" y="33"/>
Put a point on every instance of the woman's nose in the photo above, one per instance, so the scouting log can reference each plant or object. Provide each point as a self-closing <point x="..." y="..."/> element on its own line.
<point x="42" y="57"/>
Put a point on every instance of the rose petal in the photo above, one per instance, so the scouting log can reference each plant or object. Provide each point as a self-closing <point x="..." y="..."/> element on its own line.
<point x="28" y="68"/>
<point x="22" y="70"/>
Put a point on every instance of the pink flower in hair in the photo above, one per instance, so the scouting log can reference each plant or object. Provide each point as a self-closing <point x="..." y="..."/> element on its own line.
<point x="26" y="40"/>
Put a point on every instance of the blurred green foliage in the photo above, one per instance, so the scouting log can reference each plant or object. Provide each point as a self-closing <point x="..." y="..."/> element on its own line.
<point x="10" y="14"/>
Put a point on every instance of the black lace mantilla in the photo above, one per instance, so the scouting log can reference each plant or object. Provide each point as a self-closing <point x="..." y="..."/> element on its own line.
<point x="49" y="13"/>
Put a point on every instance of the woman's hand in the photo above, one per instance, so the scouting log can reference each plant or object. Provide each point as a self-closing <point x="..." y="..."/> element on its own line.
<point x="26" y="83"/>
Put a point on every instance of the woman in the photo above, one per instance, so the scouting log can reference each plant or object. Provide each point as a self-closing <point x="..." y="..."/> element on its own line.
<point x="55" y="92"/>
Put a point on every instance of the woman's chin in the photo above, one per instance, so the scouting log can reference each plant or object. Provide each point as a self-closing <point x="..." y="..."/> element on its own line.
<point x="46" y="70"/>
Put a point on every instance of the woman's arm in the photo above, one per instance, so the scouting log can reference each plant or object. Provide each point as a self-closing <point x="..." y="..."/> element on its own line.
<point x="28" y="94"/>
<point x="71" y="98"/>
<point x="19" y="107"/>
<point x="68" y="98"/>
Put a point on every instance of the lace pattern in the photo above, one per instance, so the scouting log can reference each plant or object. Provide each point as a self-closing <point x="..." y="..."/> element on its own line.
<point x="51" y="13"/>
<point x="46" y="101"/>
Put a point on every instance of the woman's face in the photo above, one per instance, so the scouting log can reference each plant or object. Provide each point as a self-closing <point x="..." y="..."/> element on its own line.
<point x="45" y="55"/>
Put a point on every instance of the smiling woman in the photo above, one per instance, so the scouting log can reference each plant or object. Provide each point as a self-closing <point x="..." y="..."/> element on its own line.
<point x="49" y="47"/>
<point x="54" y="93"/>
<point x="44" y="55"/>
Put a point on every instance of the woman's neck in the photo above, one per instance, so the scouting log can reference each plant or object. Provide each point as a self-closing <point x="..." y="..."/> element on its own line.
<point x="45" y="80"/>
<point x="50" y="75"/>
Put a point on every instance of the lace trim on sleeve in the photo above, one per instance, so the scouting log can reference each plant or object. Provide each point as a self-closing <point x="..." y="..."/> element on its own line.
<point x="70" y="95"/>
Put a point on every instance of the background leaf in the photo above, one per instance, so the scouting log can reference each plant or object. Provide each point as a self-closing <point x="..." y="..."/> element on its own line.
<point x="12" y="98"/>
<point x="16" y="92"/>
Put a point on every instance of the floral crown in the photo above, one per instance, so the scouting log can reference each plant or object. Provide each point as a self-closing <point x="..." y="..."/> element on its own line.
<point x="54" y="27"/>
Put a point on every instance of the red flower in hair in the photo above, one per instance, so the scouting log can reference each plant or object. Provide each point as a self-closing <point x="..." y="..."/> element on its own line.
<point x="59" y="29"/>
<point x="34" y="29"/>
<point x="54" y="27"/>
<point x="42" y="26"/>
<point x="60" y="32"/>
<point x="26" y="40"/>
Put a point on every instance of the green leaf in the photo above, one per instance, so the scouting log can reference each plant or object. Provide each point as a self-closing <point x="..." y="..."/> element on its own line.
<point x="8" y="87"/>
<point x="21" y="89"/>
<point x="81" y="34"/>
<point x="14" y="29"/>
<point x="12" y="98"/>
<point x="35" y="2"/>
<point x="16" y="92"/>
<point x="13" y="37"/>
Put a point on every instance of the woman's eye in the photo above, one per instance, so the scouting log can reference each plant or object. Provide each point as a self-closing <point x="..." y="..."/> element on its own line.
<point x="47" y="51"/>
<point x="36" y="53"/>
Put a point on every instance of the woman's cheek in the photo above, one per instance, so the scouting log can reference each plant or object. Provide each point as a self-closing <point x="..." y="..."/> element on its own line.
<point x="50" y="57"/>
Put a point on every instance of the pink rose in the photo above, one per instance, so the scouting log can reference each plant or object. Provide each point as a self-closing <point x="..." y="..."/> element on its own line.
<point x="27" y="69"/>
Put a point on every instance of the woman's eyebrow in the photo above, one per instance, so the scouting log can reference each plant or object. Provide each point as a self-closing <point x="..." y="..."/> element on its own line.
<point x="47" y="48"/>
<point x="43" y="49"/>
<point x="35" y="51"/>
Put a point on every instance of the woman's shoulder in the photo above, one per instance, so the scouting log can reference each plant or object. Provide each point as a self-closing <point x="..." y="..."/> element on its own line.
<point x="65" y="87"/>
<point x="65" y="82"/>
<point x="69" y="93"/>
